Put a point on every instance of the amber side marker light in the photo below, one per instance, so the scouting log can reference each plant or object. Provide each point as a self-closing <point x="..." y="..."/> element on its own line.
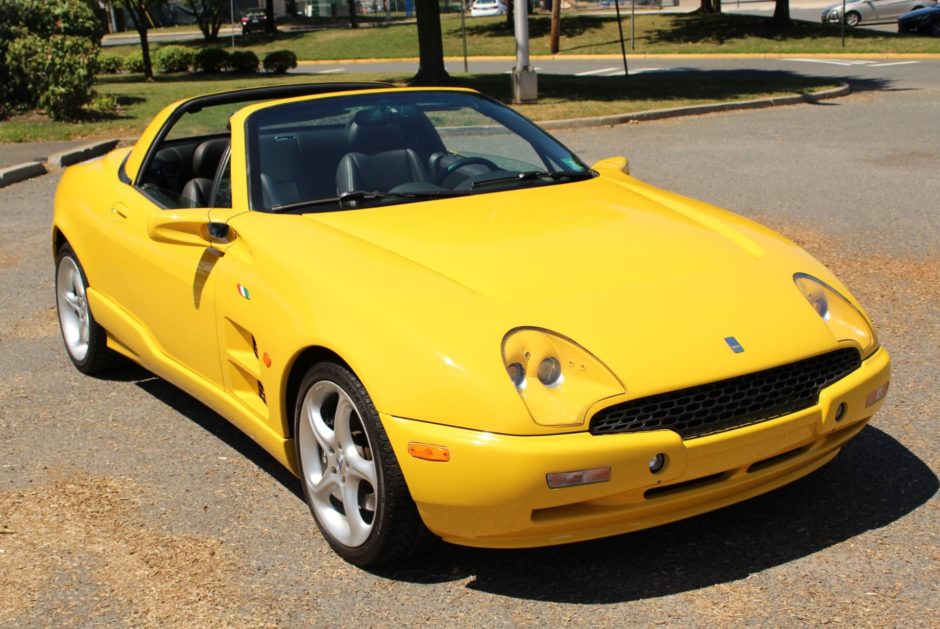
<point x="429" y="452"/>
<point x="556" y="480"/>
<point x="876" y="395"/>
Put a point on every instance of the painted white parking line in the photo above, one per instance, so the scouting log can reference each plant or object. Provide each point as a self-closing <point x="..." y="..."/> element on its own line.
<point x="333" y="71"/>
<point x="828" y="61"/>
<point x="893" y="63"/>
<point x="590" y="72"/>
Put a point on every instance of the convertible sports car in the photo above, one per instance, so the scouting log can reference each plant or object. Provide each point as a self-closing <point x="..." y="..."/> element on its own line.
<point x="446" y="324"/>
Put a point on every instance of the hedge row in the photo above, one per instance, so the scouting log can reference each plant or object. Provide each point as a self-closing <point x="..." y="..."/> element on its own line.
<point x="211" y="60"/>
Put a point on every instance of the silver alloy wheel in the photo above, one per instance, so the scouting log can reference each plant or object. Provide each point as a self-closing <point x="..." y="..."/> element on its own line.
<point x="74" y="316"/>
<point x="339" y="469"/>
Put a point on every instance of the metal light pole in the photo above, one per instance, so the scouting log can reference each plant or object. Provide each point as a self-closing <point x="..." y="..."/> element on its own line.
<point x="623" y="50"/>
<point x="232" y="9"/>
<point x="843" y="23"/>
<point x="463" y="31"/>
<point x="524" y="80"/>
<point x="632" y="24"/>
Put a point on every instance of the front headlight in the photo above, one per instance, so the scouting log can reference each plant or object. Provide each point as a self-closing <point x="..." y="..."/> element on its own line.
<point x="557" y="379"/>
<point x="845" y="321"/>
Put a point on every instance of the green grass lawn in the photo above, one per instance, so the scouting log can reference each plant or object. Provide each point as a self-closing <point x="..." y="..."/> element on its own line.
<point x="560" y="96"/>
<point x="586" y="34"/>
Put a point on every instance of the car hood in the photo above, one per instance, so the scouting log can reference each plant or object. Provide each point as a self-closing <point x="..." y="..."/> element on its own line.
<point x="917" y="13"/>
<point x="622" y="268"/>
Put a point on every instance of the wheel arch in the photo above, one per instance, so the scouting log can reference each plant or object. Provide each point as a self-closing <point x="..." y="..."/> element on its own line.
<point x="305" y="359"/>
<point x="58" y="239"/>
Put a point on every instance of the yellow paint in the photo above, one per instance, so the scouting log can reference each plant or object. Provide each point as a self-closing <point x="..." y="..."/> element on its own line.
<point x="418" y="300"/>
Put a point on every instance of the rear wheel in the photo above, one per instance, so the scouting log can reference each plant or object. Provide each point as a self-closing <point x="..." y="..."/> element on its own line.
<point x="350" y="476"/>
<point x="85" y="341"/>
<point x="852" y="18"/>
<point x="935" y="28"/>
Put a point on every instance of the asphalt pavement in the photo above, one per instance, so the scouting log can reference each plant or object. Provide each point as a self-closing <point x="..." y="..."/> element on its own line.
<point x="124" y="502"/>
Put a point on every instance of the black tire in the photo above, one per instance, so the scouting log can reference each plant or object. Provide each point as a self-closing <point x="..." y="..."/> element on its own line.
<point x="935" y="28"/>
<point x="852" y="18"/>
<point x="396" y="529"/>
<point x="91" y="355"/>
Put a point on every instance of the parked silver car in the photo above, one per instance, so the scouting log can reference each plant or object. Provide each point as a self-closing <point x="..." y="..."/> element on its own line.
<point x="872" y="11"/>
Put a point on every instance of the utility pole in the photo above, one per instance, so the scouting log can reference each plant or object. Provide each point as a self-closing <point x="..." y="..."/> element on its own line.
<point x="524" y="80"/>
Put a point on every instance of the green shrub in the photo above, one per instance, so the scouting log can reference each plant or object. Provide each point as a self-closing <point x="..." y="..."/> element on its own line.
<point x="54" y="73"/>
<point x="245" y="62"/>
<point x="134" y="62"/>
<point x="280" y="61"/>
<point x="111" y="64"/>
<point x="25" y="80"/>
<point x="173" y="58"/>
<point x="212" y="60"/>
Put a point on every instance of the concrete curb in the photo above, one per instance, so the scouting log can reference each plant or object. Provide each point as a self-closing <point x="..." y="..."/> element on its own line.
<point x="81" y="153"/>
<point x="21" y="172"/>
<point x="695" y="110"/>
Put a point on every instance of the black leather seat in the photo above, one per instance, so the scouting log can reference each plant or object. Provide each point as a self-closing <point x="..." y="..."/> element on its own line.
<point x="379" y="159"/>
<point x="206" y="158"/>
<point x="282" y="179"/>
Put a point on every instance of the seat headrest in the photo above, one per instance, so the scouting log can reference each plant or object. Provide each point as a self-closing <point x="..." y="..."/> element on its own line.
<point x="207" y="155"/>
<point x="374" y="130"/>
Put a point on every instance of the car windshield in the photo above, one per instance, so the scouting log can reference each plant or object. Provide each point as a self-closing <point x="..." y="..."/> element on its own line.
<point x="384" y="148"/>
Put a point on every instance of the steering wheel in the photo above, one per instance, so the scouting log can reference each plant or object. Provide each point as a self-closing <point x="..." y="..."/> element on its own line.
<point x="460" y="163"/>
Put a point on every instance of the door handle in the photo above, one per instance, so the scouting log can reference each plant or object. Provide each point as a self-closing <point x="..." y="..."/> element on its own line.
<point x="119" y="211"/>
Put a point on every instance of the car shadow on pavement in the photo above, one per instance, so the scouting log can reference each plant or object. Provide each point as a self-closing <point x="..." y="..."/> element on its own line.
<point x="874" y="481"/>
<point x="214" y="424"/>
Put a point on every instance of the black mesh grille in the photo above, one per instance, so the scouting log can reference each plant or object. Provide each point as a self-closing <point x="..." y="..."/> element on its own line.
<point x="732" y="403"/>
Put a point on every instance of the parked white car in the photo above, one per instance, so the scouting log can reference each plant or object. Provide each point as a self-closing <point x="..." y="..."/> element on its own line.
<point x="488" y="8"/>
<point x="872" y="11"/>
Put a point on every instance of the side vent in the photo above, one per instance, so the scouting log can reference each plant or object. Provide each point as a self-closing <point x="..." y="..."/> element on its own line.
<point x="243" y="368"/>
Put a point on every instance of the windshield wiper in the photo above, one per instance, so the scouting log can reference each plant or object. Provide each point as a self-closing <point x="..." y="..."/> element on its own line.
<point x="531" y="175"/>
<point x="362" y="195"/>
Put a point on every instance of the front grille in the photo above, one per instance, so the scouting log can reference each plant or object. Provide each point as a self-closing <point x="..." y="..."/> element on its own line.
<point x="732" y="403"/>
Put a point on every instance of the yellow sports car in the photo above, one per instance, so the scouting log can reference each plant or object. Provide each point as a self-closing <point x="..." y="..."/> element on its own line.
<point x="446" y="324"/>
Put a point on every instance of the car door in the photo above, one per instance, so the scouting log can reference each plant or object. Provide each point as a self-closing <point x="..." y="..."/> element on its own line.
<point x="164" y="278"/>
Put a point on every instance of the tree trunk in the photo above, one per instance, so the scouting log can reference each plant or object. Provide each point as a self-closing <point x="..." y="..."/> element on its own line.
<point x="431" y="69"/>
<point x="139" y="18"/>
<point x="269" y="25"/>
<point x="556" y="26"/>
<point x="782" y="13"/>
<point x="352" y="13"/>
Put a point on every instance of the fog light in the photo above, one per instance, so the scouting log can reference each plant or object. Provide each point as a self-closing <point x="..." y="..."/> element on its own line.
<point x="840" y="412"/>
<point x="578" y="477"/>
<point x="657" y="463"/>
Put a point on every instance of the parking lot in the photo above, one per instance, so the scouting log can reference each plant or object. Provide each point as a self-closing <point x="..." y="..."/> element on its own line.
<point x="125" y="502"/>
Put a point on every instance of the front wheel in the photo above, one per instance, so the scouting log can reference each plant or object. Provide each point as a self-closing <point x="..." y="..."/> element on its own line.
<point x="85" y="340"/>
<point x="351" y="479"/>
<point x="852" y="18"/>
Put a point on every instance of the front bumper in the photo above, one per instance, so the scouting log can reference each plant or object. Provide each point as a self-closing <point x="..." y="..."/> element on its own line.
<point x="493" y="490"/>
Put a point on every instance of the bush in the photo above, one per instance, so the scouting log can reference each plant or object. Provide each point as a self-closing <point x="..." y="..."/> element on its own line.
<point x="173" y="59"/>
<point x="54" y="73"/>
<point x="111" y="64"/>
<point x="134" y="62"/>
<point x="280" y="61"/>
<point x="35" y="70"/>
<point x="245" y="62"/>
<point x="212" y="60"/>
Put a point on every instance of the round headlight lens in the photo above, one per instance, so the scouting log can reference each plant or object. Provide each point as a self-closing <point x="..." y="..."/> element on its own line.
<point x="550" y="372"/>
<point x="517" y="374"/>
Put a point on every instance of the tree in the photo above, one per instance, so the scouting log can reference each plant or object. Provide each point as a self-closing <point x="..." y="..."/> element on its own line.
<point x="352" y="13"/>
<point x="556" y="27"/>
<point x="269" y="24"/>
<point x="710" y="6"/>
<point x="141" y="20"/>
<point x="209" y="15"/>
<point x="431" y="69"/>
<point x="781" y="13"/>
